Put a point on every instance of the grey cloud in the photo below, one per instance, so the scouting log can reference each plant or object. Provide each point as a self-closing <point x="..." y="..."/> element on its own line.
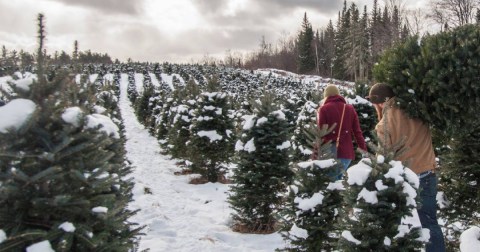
<point x="322" y="6"/>
<point x="209" y="6"/>
<point x="277" y="8"/>
<point x="143" y="43"/>
<point x="130" y="7"/>
<point x="264" y="13"/>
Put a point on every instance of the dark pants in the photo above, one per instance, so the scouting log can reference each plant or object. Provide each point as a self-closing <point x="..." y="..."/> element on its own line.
<point x="428" y="213"/>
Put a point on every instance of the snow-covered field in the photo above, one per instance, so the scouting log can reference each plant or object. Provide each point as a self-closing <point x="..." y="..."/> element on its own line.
<point x="177" y="216"/>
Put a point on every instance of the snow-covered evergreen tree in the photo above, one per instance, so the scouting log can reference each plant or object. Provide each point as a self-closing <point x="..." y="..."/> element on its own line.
<point x="179" y="134"/>
<point x="143" y="100"/>
<point x="263" y="171"/>
<point x="132" y="89"/>
<point x="164" y="119"/>
<point x="306" y="120"/>
<point x="381" y="195"/>
<point x="211" y="144"/>
<point x="314" y="201"/>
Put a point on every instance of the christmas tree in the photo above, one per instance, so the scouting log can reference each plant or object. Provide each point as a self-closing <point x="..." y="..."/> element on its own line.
<point x="306" y="120"/>
<point x="263" y="172"/>
<point x="211" y="144"/>
<point x="380" y="196"/>
<point x="179" y="134"/>
<point x="314" y="202"/>
<point x="143" y="100"/>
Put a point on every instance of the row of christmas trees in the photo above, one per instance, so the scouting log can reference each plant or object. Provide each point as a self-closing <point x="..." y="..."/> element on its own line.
<point x="274" y="187"/>
<point x="174" y="120"/>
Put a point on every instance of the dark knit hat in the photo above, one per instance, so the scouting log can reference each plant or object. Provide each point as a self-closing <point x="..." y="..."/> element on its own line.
<point x="380" y="93"/>
<point x="330" y="90"/>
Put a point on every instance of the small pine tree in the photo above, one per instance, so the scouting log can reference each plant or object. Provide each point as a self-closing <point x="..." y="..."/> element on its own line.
<point x="211" y="144"/>
<point x="306" y="120"/>
<point x="263" y="173"/>
<point x="132" y="88"/>
<point x="179" y="134"/>
<point x="155" y="107"/>
<point x="165" y="119"/>
<point x="314" y="201"/>
<point x="143" y="100"/>
<point x="380" y="194"/>
<point x="366" y="112"/>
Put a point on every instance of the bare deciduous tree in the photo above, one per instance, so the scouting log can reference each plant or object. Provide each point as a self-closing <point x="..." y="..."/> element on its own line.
<point x="453" y="12"/>
<point x="415" y="21"/>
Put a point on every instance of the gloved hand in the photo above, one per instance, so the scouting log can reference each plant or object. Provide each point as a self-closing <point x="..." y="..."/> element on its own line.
<point x="363" y="152"/>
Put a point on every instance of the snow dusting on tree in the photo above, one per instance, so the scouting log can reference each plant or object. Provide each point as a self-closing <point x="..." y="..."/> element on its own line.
<point x="73" y="115"/>
<point x="15" y="113"/>
<point x="43" y="246"/>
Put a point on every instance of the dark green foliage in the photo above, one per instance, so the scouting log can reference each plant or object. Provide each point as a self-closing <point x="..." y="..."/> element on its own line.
<point x="460" y="179"/>
<point x="263" y="172"/>
<point x="211" y="144"/>
<point x="143" y="110"/>
<point x="402" y="69"/>
<point x="304" y="210"/>
<point x="132" y="89"/>
<point x="155" y="107"/>
<point x="306" y="55"/>
<point x="291" y="106"/>
<point x="437" y="81"/>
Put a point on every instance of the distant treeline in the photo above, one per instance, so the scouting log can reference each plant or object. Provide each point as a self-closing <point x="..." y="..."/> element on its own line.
<point x="345" y="51"/>
<point x="13" y="60"/>
<point x="349" y="49"/>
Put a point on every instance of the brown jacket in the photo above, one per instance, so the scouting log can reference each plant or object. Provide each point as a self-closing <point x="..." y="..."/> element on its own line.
<point x="415" y="139"/>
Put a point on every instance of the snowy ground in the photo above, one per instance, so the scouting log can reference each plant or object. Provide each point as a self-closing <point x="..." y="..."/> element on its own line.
<point x="179" y="216"/>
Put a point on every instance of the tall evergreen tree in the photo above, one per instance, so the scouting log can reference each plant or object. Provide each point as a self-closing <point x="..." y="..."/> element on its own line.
<point x="329" y="48"/>
<point x="306" y="54"/>
<point x="341" y="53"/>
<point x="263" y="172"/>
<point x="353" y="49"/>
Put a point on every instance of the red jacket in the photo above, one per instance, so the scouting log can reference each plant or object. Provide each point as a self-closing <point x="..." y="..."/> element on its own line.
<point x="330" y="113"/>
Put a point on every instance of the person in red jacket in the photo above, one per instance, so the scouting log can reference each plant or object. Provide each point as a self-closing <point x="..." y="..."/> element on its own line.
<point x="335" y="110"/>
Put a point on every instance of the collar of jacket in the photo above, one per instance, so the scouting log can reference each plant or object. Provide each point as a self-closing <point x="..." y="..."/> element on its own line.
<point x="335" y="98"/>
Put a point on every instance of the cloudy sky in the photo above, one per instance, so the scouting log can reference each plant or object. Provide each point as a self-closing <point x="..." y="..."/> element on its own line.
<point x="163" y="30"/>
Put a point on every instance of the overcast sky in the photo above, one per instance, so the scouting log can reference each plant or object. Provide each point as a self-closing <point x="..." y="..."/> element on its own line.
<point x="162" y="30"/>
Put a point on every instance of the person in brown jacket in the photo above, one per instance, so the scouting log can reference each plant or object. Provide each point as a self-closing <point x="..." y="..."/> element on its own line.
<point x="413" y="141"/>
